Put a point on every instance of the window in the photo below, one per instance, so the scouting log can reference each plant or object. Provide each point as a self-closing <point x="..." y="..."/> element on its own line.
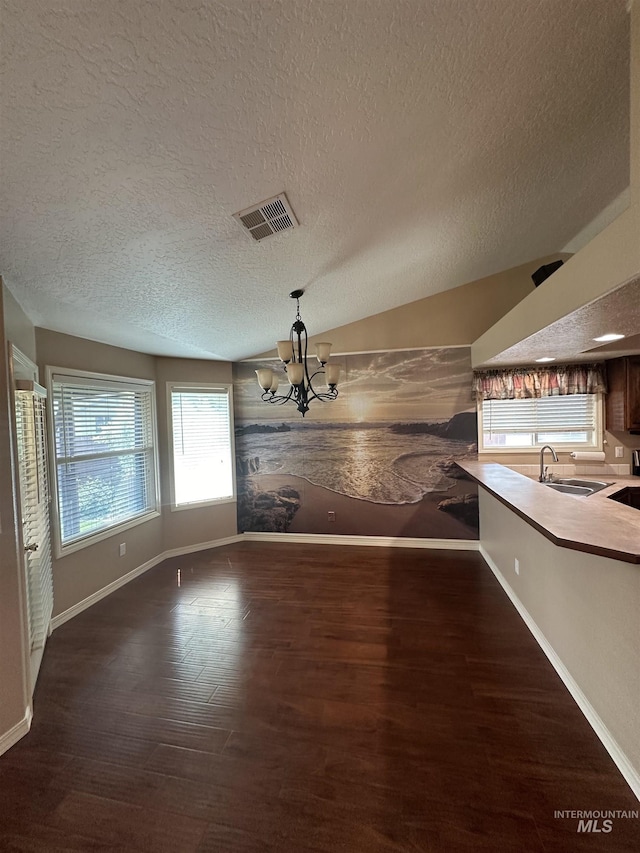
<point x="202" y="438"/>
<point x="105" y="454"/>
<point x="572" y="421"/>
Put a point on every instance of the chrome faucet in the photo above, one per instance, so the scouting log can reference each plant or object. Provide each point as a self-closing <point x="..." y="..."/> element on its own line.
<point x="544" y="477"/>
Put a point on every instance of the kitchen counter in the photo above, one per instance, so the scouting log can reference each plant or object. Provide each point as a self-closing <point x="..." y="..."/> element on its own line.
<point x="593" y="524"/>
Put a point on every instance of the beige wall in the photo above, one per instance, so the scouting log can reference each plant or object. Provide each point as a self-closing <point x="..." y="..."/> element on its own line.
<point x="14" y="696"/>
<point x="187" y="527"/>
<point x="58" y="350"/>
<point x="628" y="442"/>
<point x="586" y="607"/>
<point x="85" y="572"/>
<point x="451" y="318"/>
<point x="18" y="327"/>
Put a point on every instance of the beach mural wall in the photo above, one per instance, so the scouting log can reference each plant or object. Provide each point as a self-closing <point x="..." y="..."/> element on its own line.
<point x="380" y="458"/>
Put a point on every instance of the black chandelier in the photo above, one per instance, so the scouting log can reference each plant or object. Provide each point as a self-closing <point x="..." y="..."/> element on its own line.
<point x="293" y="353"/>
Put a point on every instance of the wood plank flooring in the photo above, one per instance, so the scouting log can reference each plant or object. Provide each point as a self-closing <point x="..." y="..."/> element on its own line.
<point x="266" y="697"/>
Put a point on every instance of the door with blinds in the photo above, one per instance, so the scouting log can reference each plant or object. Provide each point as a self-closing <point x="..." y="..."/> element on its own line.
<point x="31" y="436"/>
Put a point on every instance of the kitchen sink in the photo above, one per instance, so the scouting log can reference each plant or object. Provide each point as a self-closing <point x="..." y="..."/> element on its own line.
<point x="569" y="489"/>
<point x="594" y="485"/>
<point x="575" y="486"/>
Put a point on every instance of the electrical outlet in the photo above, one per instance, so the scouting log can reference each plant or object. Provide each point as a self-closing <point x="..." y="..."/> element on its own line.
<point x="517" y="566"/>
<point x="123" y="549"/>
<point x="331" y="516"/>
<point x="619" y="452"/>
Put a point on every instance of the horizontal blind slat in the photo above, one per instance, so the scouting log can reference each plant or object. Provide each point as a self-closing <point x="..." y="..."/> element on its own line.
<point x="569" y="418"/>
<point x="104" y="443"/>
<point x="202" y="458"/>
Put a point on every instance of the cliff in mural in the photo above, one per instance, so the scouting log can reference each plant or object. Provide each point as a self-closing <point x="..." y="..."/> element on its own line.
<point x="381" y="458"/>
<point x="462" y="427"/>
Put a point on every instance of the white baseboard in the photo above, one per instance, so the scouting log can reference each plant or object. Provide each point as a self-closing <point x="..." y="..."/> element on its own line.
<point x="620" y="759"/>
<point x="63" y="617"/>
<point x="379" y="541"/>
<point x="202" y="546"/>
<point x="11" y="737"/>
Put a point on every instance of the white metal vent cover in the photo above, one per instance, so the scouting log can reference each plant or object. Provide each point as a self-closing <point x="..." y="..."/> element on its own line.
<point x="267" y="218"/>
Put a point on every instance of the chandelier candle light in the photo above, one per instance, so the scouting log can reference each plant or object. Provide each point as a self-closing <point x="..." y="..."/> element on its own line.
<point x="294" y="355"/>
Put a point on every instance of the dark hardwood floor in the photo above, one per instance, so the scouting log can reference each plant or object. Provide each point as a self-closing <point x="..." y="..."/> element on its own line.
<point x="294" y="698"/>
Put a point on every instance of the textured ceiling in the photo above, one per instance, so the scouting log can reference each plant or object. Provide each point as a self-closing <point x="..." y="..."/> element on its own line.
<point x="572" y="338"/>
<point x="422" y="144"/>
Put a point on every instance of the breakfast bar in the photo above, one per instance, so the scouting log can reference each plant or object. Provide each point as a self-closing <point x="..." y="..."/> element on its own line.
<point x="595" y="524"/>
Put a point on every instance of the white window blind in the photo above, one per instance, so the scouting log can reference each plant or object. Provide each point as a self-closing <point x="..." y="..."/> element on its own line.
<point x="105" y="453"/>
<point x="570" y="419"/>
<point x="202" y="445"/>
<point x="34" y="504"/>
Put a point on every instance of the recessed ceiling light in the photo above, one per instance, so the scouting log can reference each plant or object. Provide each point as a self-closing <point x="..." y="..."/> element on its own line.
<point x="610" y="337"/>
<point x="546" y="358"/>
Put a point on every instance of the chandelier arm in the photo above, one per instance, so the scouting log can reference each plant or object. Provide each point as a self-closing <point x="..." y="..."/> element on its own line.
<point x="318" y="372"/>
<point x="268" y="397"/>
<point x="323" y="396"/>
<point x="278" y="401"/>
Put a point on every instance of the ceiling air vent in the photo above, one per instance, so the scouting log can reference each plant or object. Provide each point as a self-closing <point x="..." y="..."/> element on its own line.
<point x="267" y="218"/>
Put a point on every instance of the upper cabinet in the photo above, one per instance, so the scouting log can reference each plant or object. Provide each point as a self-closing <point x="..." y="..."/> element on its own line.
<point x="623" y="397"/>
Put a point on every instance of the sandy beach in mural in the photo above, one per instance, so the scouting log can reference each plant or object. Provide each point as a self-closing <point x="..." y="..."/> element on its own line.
<point x="357" y="517"/>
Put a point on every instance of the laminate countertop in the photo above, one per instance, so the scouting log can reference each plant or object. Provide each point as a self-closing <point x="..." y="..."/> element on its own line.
<point x="593" y="524"/>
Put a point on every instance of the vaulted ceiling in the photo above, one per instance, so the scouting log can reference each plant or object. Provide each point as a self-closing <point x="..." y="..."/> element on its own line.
<point x="422" y="144"/>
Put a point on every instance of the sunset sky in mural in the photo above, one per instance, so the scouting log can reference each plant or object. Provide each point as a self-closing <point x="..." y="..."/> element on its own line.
<point x="430" y="384"/>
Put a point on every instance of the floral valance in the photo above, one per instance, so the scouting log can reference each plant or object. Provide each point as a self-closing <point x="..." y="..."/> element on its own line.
<point x="517" y="383"/>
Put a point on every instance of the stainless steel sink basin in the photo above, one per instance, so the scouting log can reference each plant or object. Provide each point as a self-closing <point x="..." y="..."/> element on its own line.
<point x="593" y="485"/>
<point x="570" y="489"/>
<point x="576" y="486"/>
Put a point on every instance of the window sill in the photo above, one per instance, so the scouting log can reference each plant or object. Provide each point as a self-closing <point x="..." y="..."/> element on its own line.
<point x="204" y="504"/>
<point x="564" y="448"/>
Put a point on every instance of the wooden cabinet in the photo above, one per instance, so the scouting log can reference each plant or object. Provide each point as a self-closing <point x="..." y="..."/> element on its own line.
<point x="623" y="397"/>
